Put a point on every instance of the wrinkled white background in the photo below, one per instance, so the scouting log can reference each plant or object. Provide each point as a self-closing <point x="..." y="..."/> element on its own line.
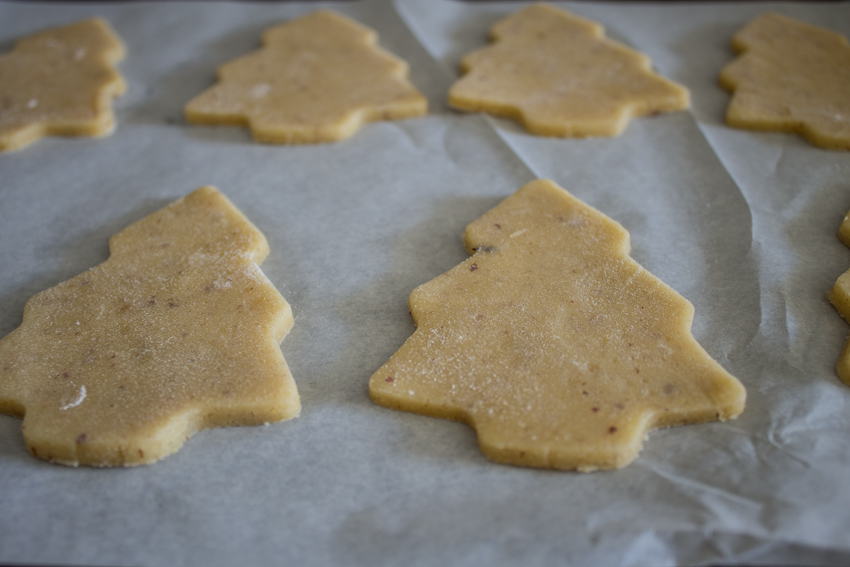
<point x="741" y="223"/>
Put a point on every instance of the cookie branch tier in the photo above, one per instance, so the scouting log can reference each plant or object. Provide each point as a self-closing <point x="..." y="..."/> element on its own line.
<point x="839" y="296"/>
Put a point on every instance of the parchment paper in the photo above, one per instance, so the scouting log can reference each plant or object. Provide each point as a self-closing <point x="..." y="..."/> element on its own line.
<point x="741" y="223"/>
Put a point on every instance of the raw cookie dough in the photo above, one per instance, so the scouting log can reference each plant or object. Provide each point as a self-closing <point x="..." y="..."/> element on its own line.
<point x="559" y="75"/>
<point x="60" y="82"/>
<point x="839" y="295"/>
<point x="177" y="331"/>
<point x="792" y="77"/>
<point x="317" y="79"/>
<point x="557" y="347"/>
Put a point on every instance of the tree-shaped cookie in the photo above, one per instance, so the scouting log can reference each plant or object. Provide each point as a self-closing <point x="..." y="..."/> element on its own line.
<point x="559" y="76"/>
<point x="60" y="82"/>
<point x="316" y="79"/>
<point x="839" y="295"/>
<point x="791" y="77"/>
<point x="177" y="331"/>
<point x="557" y="347"/>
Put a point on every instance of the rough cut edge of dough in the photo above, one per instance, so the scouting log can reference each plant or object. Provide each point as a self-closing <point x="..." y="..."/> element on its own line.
<point x="110" y="452"/>
<point x="310" y="134"/>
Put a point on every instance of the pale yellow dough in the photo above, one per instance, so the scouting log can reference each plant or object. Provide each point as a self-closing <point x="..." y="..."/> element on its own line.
<point x="557" y="347"/>
<point x="839" y="295"/>
<point x="559" y="75"/>
<point x="60" y="82"/>
<point x="791" y="77"/>
<point x="177" y="331"/>
<point x="317" y="79"/>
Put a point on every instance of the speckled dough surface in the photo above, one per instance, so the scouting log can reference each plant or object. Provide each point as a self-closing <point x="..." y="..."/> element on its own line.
<point x="839" y="295"/>
<point x="557" y="347"/>
<point x="317" y="79"/>
<point x="792" y="77"/>
<point x="60" y="82"/>
<point x="177" y="331"/>
<point x="560" y="76"/>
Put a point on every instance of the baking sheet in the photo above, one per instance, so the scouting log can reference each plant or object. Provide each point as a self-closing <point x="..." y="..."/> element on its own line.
<point x="740" y="223"/>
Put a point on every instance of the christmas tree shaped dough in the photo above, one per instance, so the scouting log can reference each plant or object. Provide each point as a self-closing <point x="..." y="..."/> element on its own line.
<point x="316" y="79"/>
<point x="792" y="77"/>
<point x="559" y="76"/>
<point x="557" y="347"/>
<point x="839" y="295"/>
<point x="177" y="331"/>
<point x="60" y="82"/>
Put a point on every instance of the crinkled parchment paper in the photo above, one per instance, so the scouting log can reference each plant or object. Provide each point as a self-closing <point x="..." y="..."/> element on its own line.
<point x="741" y="223"/>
